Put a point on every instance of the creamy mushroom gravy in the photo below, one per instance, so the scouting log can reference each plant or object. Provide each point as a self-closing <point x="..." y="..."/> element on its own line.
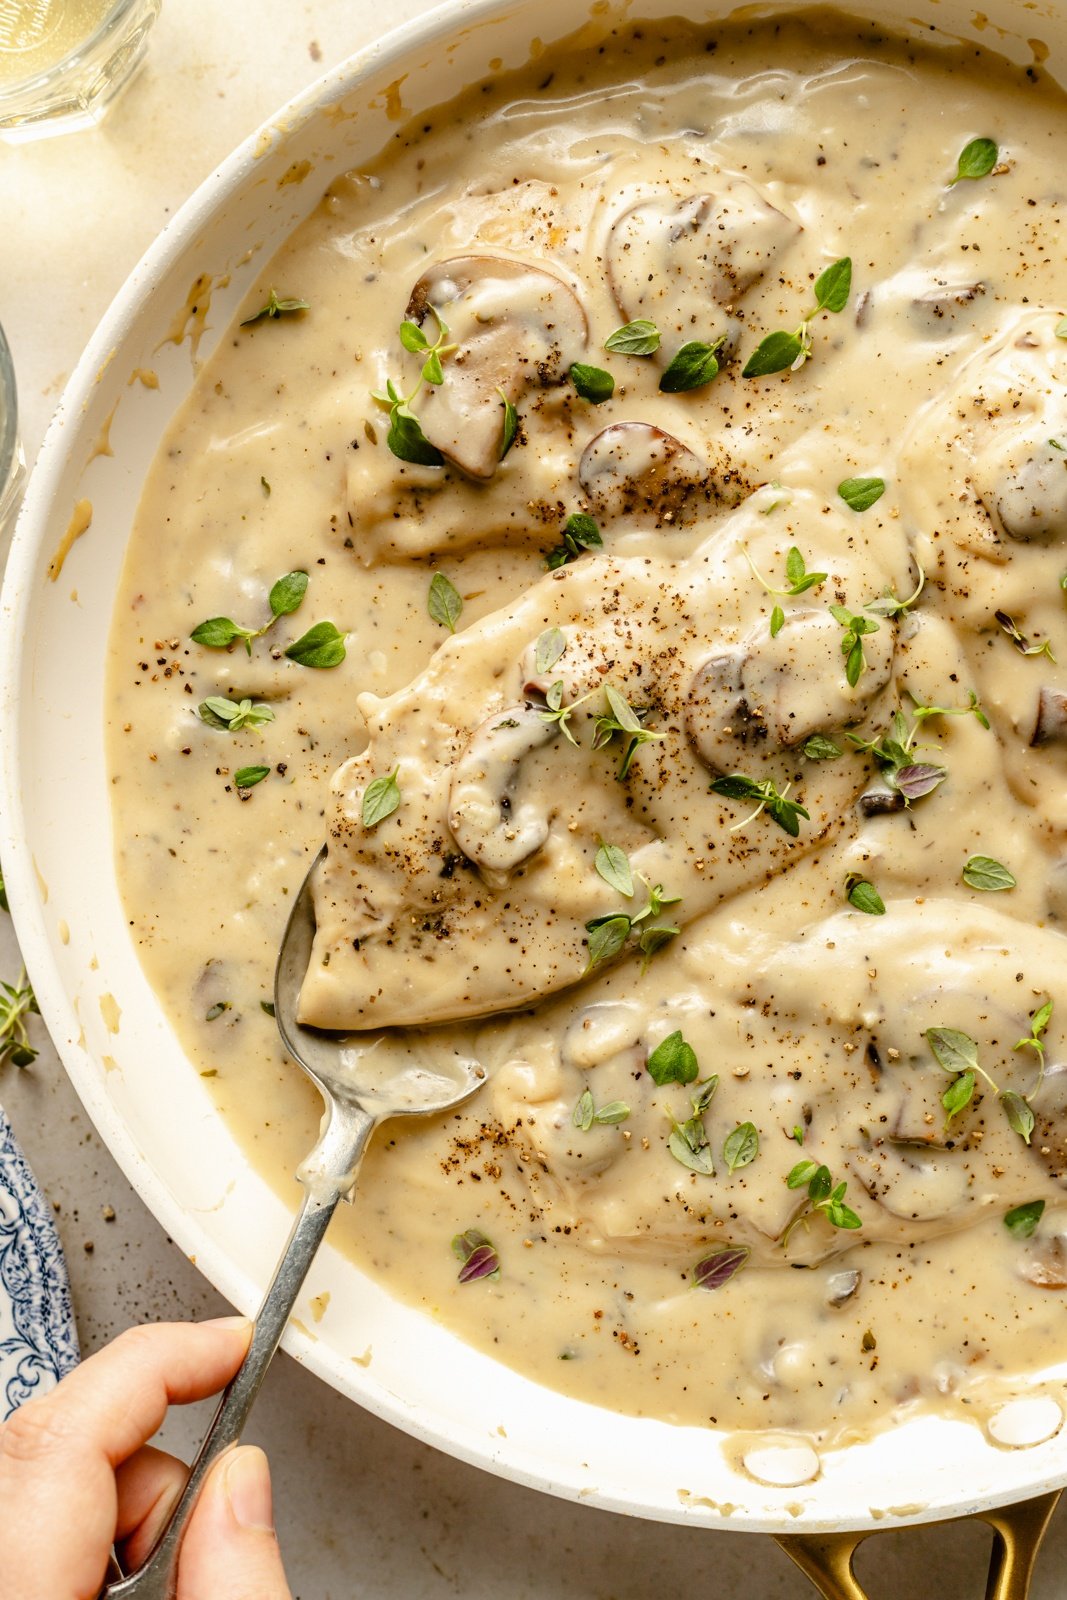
<point x="702" y="181"/>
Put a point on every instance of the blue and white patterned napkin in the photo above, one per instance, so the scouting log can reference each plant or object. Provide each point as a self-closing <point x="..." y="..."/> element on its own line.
<point x="38" y="1340"/>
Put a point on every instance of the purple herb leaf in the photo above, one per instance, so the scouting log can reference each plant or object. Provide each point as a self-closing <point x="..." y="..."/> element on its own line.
<point x="720" y="1266"/>
<point x="918" y="779"/>
<point x="478" y="1256"/>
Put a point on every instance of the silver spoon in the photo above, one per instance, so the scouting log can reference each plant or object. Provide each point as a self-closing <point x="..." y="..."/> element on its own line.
<point x="360" y="1090"/>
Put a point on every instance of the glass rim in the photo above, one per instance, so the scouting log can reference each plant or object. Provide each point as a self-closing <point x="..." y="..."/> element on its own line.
<point x="9" y="417"/>
<point x="108" y="25"/>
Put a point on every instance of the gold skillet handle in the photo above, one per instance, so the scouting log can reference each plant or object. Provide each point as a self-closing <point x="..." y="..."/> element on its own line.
<point x="826" y="1558"/>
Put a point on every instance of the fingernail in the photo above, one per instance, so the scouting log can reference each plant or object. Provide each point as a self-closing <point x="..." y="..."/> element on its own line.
<point x="234" y="1323"/>
<point x="248" y="1489"/>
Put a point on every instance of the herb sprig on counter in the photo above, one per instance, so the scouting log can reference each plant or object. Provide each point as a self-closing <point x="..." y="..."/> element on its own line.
<point x="17" y="1002"/>
<point x="780" y="351"/>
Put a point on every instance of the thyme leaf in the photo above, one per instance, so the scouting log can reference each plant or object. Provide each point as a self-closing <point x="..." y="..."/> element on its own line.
<point x="613" y="865"/>
<point x="592" y="383"/>
<point x="714" y="1270"/>
<point x="477" y="1256"/>
<point x="976" y="160"/>
<point x="859" y="494"/>
<point x="865" y="897"/>
<point x="444" y="601"/>
<point x="380" y="799"/>
<point x="580" y="533"/>
<point x="640" y="338"/>
<point x="673" y="1061"/>
<point x="983" y="872"/>
<point x="276" y="306"/>
<point x="322" y="646"/>
<point x="741" y="1147"/>
<point x="1021" y="1221"/>
<point x="246" y="778"/>
<point x="692" y="367"/>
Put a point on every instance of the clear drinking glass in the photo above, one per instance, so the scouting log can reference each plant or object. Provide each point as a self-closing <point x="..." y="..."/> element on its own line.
<point x="62" y="62"/>
<point x="11" y="458"/>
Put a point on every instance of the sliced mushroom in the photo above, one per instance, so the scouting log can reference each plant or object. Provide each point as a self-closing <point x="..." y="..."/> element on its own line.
<point x="1044" y="1263"/>
<point x="633" y="469"/>
<point x="516" y="326"/>
<point x="915" y="1185"/>
<point x="1028" y="493"/>
<point x="677" y="261"/>
<point x="946" y="309"/>
<point x="771" y="693"/>
<point x="880" y="802"/>
<point x="1048" y="1142"/>
<point x="490" y="822"/>
<point x="841" y="1286"/>
<point x="1056" y="892"/>
<point x="1051" y="724"/>
<point x="920" y="1118"/>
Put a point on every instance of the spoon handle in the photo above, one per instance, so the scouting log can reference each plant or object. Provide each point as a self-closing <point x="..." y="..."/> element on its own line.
<point x="328" y="1175"/>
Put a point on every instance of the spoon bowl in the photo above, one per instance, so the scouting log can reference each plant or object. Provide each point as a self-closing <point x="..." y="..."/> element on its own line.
<point x="362" y="1084"/>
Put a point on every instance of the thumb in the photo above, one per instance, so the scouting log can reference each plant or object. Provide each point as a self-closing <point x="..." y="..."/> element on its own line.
<point x="230" y="1551"/>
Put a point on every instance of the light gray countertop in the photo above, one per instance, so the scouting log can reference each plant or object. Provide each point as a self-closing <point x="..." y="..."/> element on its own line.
<point x="363" y="1510"/>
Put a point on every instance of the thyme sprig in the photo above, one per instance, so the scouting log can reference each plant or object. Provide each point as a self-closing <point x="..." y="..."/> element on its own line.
<point x="405" y="437"/>
<point x="782" y="350"/>
<point x="785" y="812"/>
<point x="824" y="1198"/>
<point x="17" y="1002"/>
<point x="896" y="752"/>
<point x="957" y="1053"/>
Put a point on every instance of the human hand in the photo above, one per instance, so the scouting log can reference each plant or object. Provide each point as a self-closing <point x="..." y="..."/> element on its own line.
<point x="77" y="1475"/>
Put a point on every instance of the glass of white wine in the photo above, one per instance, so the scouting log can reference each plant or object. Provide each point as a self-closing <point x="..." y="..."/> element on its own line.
<point x="63" y="61"/>
<point x="11" y="459"/>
